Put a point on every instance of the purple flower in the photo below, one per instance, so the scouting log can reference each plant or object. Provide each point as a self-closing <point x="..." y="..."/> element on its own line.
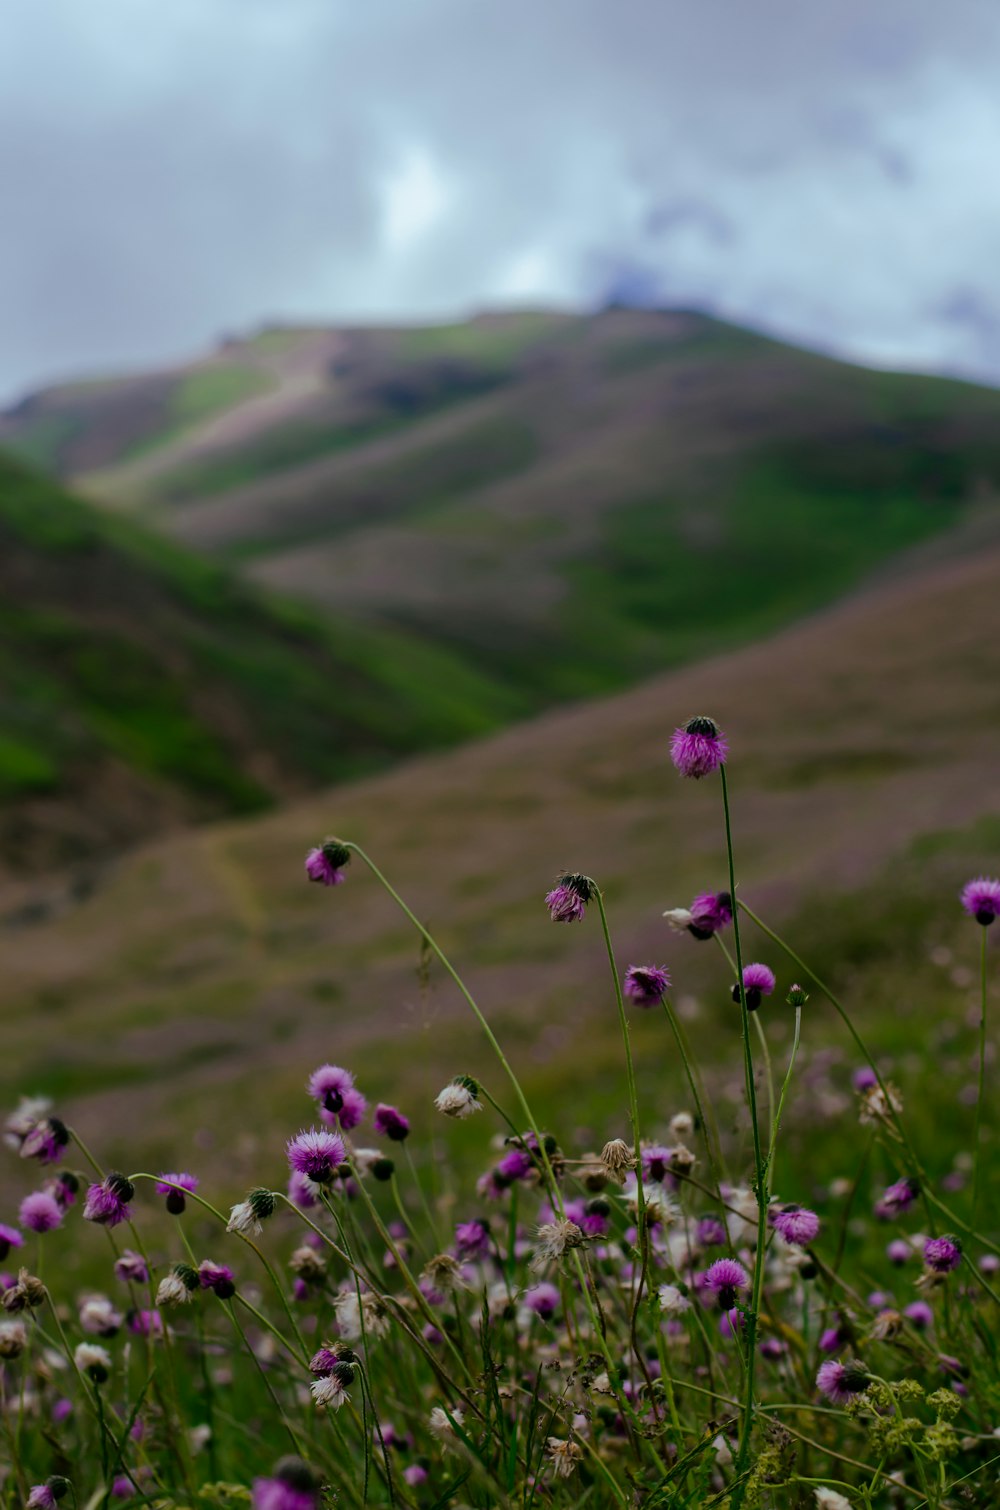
<point x="415" y="1474"/>
<point x="981" y="899"/>
<point x="646" y="984"/>
<point x="316" y="1154"/>
<point x="919" y="1314"/>
<point x="897" y="1199"/>
<point x="339" y="1102"/>
<point x="514" y="1165"/>
<point x="302" y="1191"/>
<point x="942" y="1254"/>
<point x="543" y="1300"/>
<point x="758" y="982"/>
<point x="472" y="1239"/>
<point x="390" y="1123"/>
<point x="46" y="1141"/>
<point x="325" y="864"/>
<point x="324" y="1361"/>
<point x="898" y="1251"/>
<point x="710" y="1232"/>
<point x="864" y="1078"/>
<point x="294" y="1486"/>
<point x="42" y="1497"/>
<point x="732" y="1322"/>
<point x="9" y="1238"/>
<point x="567" y="901"/>
<point x="773" y="1348"/>
<point x="39" y="1212"/>
<point x="699" y="748"/>
<point x="218" y="1278"/>
<point x="145" y="1323"/>
<point x="797" y="1226"/>
<point x="131" y="1268"/>
<point x="725" y="1277"/>
<point x="839" y="1381"/>
<point x="122" y="1487"/>
<point x="834" y="1338"/>
<point x="175" y="1198"/>
<point x="656" y="1164"/>
<point x="711" y="911"/>
<point x="107" y="1203"/>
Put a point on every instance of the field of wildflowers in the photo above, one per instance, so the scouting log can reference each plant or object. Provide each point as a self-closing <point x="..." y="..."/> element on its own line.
<point x="679" y="1317"/>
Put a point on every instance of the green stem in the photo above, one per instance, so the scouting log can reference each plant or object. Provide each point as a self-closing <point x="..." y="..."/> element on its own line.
<point x="977" y="1169"/>
<point x="746" y="1429"/>
<point x="633" y="1099"/>
<point x="781" y="1099"/>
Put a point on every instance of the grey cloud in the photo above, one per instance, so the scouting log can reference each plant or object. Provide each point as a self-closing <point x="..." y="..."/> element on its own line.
<point x="172" y="171"/>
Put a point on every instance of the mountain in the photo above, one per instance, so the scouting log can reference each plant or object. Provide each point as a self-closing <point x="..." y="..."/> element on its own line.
<point x="564" y="504"/>
<point x="142" y="687"/>
<point x="201" y="977"/>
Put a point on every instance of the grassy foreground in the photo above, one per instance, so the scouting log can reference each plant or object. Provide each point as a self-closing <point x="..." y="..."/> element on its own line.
<point x="774" y="1289"/>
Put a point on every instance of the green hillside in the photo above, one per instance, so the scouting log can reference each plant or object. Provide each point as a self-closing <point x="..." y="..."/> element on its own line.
<point x="565" y="504"/>
<point x="141" y="686"/>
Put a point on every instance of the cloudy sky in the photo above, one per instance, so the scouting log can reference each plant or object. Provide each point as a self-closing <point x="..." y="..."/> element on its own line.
<point x="825" y="169"/>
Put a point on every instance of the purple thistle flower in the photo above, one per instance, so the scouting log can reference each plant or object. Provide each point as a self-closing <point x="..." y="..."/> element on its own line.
<point x="543" y="1300"/>
<point x="646" y="984"/>
<point x="773" y="1348"/>
<point x="9" y="1238"/>
<point x="302" y="1191"/>
<point x="390" y="1123"/>
<point x="758" y="982"/>
<point x="339" y="1101"/>
<point x="725" y="1277"/>
<point x="942" y="1254"/>
<point x="472" y="1239"/>
<point x="46" y="1141"/>
<point x="656" y="1163"/>
<point x="295" y="1486"/>
<point x="145" y="1323"/>
<point x="797" y="1226"/>
<point x="39" y="1212"/>
<point x="415" y="1474"/>
<point x="316" y="1154"/>
<point x="898" y="1252"/>
<point x="567" y="901"/>
<point x="107" y="1203"/>
<point x="698" y="748"/>
<point x="711" y="911"/>
<point x="732" y="1322"/>
<point x="981" y="899"/>
<point x="217" y="1277"/>
<point x="840" y="1381"/>
<point x="131" y="1268"/>
<point x="122" y="1487"/>
<point x="175" y="1198"/>
<point x="897" y="1199"/>
<point x="324" y="1361"/>
<point x="919" y="1314"/>
<point x="44" y="1496"/>
<point x="864" y="1078"/>
<point x="834" y="1338"/>
<point x="515" y="1165"/>
<point x="710" y="1232"/>
<point x="325" y="864"/>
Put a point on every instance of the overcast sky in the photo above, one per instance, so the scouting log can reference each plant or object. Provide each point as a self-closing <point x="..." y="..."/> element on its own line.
<point x="176" y="169"/>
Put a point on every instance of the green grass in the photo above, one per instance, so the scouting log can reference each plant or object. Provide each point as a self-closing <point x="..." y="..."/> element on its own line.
<point x="198" y="396"/>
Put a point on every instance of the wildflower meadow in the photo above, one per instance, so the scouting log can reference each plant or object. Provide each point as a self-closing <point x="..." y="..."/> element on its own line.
<point x="679" y="1315"/>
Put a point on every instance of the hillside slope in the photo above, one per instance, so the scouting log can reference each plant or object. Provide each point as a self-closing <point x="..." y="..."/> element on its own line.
<point x="566" y="504"/>
<point x="141" y="687"/>
<point x="203" y="976"/>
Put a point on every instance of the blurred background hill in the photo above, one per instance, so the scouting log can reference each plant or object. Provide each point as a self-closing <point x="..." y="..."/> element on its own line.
<point x="478" y="521"/>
